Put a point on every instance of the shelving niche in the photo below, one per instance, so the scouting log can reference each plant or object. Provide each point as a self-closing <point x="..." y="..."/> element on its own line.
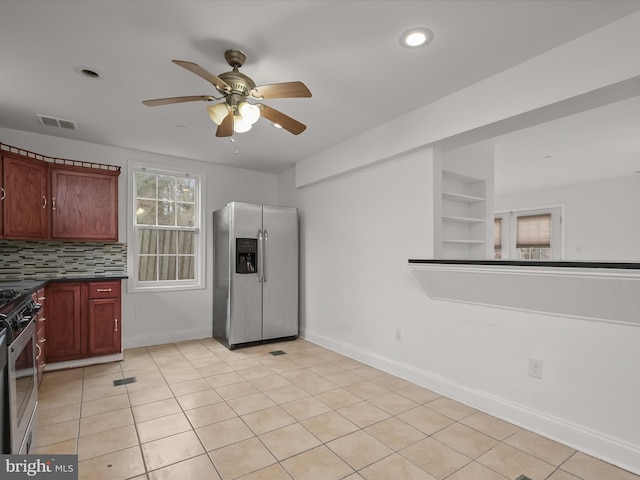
<point x="464" y="216"/>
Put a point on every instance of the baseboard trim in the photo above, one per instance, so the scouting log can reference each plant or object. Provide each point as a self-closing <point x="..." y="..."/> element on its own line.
<point x="83" y="362"/>
<point x="592" y="443"/>
<point x="165" y="337"/>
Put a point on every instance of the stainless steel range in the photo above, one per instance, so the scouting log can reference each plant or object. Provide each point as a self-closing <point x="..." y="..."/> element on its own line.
<point x="17" y="309"/>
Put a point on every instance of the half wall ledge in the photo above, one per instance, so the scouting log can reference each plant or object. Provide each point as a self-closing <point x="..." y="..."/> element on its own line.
<point x="599" y="291"/>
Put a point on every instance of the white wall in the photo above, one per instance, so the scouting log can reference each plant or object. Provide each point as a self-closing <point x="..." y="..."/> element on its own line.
<point x="601" y="220"/>
<point x="168" y="316"/>
<point x="357" y="233"/>
<point x="366" y="208"/>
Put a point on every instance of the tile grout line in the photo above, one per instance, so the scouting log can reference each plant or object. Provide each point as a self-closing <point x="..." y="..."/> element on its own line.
<point x="301" y="365"/>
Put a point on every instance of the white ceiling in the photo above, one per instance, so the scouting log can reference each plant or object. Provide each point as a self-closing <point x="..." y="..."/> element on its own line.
<point x="600" y="143"/>
<point x="346" y="52"/>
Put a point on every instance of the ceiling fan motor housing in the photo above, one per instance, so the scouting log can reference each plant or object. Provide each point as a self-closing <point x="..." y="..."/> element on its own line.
<point x="240" y="83"/>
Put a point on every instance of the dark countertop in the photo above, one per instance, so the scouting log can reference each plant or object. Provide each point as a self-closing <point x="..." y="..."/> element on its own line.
<point x="531" y="263"/>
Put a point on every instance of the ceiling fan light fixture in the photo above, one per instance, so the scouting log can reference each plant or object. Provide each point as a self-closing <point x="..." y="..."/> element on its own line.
<point x="240" y="125"/>
<point x="249" y="112"/>
<point x="235" y="114"/>
<point x="416" y="37"/>
<point x="218" y="112"/>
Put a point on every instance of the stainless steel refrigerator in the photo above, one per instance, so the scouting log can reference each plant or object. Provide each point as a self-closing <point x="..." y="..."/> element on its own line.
<point x="255" y="273"/>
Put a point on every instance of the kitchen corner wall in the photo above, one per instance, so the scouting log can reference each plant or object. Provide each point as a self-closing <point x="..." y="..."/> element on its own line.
<point x="41" y="260"/>
<point x="152" y="318"/>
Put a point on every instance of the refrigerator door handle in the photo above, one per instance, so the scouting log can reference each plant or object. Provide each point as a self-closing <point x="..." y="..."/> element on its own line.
<point x="265" y="252"/>
<point x="260" y="255"/>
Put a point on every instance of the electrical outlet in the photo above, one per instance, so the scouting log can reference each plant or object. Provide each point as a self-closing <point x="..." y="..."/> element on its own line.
<point x="535" y="367"/>
<point x="398" y="334"/>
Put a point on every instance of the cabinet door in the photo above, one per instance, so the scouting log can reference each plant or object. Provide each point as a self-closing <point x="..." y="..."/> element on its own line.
<point x="25" y="198"/>
<point x="64" y="340"/>
<point x="104" y="326"/>
<point x="84" y="204"/>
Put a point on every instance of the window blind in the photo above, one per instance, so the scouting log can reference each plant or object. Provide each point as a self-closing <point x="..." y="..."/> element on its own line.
<point x="534" y="231"/>
<point x="497" y="233"/>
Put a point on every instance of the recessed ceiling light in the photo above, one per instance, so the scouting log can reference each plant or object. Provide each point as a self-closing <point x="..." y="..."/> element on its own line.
<point x="416" y="37"/>
<point x="90" y="73"/>
<point x="87" y="72"/>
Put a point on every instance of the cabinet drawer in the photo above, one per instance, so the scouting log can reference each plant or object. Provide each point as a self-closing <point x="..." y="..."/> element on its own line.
<point x="104" y="289"/>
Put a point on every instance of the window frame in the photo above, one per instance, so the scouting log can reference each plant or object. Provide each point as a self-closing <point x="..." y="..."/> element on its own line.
<point x="133" y="283"/>
<point x="510" y="225"/>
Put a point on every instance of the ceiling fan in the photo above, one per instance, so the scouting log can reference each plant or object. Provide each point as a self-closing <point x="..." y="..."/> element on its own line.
<point x="235" y="113"/>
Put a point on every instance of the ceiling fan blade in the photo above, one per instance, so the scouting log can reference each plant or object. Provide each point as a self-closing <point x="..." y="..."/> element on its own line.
<point x="201" y="72"/>
<point x="226" y="127"/>
<point x="168" y="101"/>
<point x="282" y="90"/>
<point x="281" y="119"/>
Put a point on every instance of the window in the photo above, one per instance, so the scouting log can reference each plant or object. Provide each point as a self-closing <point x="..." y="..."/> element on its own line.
<point x="497" y="237"/>
<point x="528" y="234"/>
<point x="166" y="230"/>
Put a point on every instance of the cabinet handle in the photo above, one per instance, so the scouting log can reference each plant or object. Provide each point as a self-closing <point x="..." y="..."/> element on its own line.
<point x="44" y="201"/>
<point x="53" y="203"/>
<point x="4" y="193"/>
<point x="42" y="340"/>
<point x="116" y="321"/>
<point x="103" y="289"/>
<point x="42" y="319"/>
<point x="39" y="351"/>
<point x="41" y="298"/>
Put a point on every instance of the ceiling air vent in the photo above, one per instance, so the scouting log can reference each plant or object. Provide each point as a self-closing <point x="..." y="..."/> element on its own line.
<point x="57" y="122"/>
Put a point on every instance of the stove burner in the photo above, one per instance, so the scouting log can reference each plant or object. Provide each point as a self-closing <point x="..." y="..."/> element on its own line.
<point x="16" y="312"/>
<point x="7" y="295"/>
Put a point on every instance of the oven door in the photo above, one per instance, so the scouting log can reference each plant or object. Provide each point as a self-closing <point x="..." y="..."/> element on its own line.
<point x="23" y="390"/>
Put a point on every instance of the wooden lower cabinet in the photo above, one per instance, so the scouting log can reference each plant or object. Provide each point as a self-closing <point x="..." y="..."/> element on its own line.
<point x="79" y="325"/>
<point x="64" y="322"/>
<point x="104" y="323"/>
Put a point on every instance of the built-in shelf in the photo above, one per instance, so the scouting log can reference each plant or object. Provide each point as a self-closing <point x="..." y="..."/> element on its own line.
<point x="459" y="197"/>
<point x="446" y="218"/>
<point x="463" y="241"/>
<point x="463" y="216"/>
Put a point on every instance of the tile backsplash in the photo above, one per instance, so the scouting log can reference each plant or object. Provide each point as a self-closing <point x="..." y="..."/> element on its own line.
<point x="41" y="260"/>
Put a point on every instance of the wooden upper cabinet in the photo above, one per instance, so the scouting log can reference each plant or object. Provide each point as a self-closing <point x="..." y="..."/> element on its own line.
<point x="25" y="198"/>
<point x="47" y="198"/>
<point x="84" y="204"/>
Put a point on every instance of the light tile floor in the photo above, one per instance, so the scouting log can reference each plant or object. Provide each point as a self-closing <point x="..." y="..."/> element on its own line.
<point x="199" y="411"/>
